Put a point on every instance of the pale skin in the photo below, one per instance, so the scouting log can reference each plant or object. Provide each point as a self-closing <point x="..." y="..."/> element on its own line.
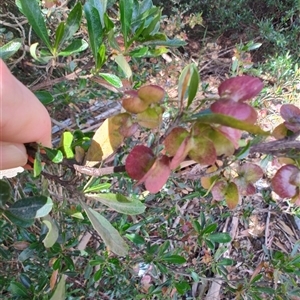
<point x="23" y="119"/>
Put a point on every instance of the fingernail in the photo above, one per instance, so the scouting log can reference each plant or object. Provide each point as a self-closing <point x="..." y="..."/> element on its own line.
<point x="12" y="155"/>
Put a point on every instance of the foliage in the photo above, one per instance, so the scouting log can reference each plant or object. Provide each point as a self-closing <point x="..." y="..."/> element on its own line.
<point x="110" y="204"/>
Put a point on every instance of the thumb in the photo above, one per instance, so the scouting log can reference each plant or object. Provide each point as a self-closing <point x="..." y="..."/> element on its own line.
<point x="12" y="155"/>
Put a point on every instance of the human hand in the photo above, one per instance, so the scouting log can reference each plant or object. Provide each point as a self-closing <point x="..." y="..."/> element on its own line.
<point x="23" y="119"/>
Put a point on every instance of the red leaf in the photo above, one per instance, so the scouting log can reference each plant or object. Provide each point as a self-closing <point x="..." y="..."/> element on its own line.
<point x="240" y="111"/>
<point x="157" y="175"/>
<point x="139" y="161"/>
<point x="281" y="182"/>
<point x="240" y="88"/>
<point x="181" y="153"/>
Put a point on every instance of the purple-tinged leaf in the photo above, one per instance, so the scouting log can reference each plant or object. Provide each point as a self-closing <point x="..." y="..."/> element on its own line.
<point x="281" y="182"/>
<point x="240" y="88"/>
<point x="251" y="172"/>
<point x="202" y="151"/>
<point x="218" y="190"/>
<point x="157" y="175"/>
<point x="240" y="111"/>
<point x="231" y="134"/>
<point x="291" y="114"/>
<point x="174" y="139"/>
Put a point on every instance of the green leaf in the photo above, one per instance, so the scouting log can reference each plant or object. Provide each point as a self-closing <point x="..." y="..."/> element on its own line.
<point x="95" y="29"/>
<point x="66" y="144"/>
<point x="108" y="233"/>
<point x="54" y="155"/>
<point x="163" y="248"/>
<point x="52" y="234"/>
<point x="125" y="18"/>
<point x="76" y="46"/>
<point x="210" y="228"/>
<point x="123" y="64"/>
<point x="120" y="203"/>
<point x="221" y="119"/>
<point x="112" y="79"/>
<point x="18" y="221"/>
<point x="44" y="96"/>
<point x="58" y="35"/>
<point x="165" y="42"/>
<point x="135" y="238"/>
<point x="41" y="58"/>
<point x="10" y="48"/>
<point x="101" y="58"/>
<point x="17" y="289"/>
<point x="109" y="24"/>
<point x="5" y="192"/>
<point x="72" y="24"/>
<point x="100" y="5"/>
<point x="226" y="262"/>
<point x="60" y="292"/>
<point x="140" y="52"/>
<point x="37" y="165"/>
<point x="188" y="84"/>
<point x="183" y="83"/>
<point x="35" y="18"/>
<point x="98" y="187"/>
<point x="174" y="259"/>
<point x="193" y="84"/>
<point x="98" y="274"/>
<point x="153" y="24"/>
<point x="182" y="287"/>
<point x="219" y="237"/>
<point x="5" y="253"/>
<point x="25" y="280"/>
<point x="32" y="207"/>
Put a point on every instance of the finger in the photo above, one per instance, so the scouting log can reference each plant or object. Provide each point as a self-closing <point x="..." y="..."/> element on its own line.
<point x="23" y="117"/>
<point x="12" y="155"/>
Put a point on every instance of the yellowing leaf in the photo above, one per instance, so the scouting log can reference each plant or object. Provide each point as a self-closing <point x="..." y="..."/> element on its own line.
<point x="60" y="292"/>
<point x="151" y="94"/>
<point x="150" y="118"/>
<point x="134" y="105"/>
<point x="106" y="140"/>
<point x="232" y="195"/>
<point x="108" y="233"/>
<point x="52" y="234"/>
<point x="120" y="203"/>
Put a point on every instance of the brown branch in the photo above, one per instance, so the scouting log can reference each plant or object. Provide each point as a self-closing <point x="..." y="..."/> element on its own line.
<point x="97" y="172"/>
<point x="278" y="147"/>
